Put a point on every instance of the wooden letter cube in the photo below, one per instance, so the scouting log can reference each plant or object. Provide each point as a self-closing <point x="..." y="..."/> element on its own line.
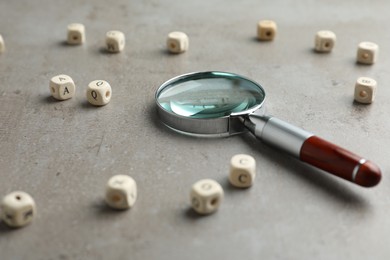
<point x="76" y="33"/>
<point x="99" y="92"/>
<point x="177" y="42"/>
<point x="266" y="30"/>
<point x="324" y="41"/>
<point x="17" y="209"/>
<point x="2" y="45"/>
<point x="121" y="192"/>
<point x="62" y="87"/>
<point x="242" y="170"/>
<point x="367" y="53"/>
<point x="206" y="196"/>
<point x="365" y="90"/>
<point x="115" y="41"/>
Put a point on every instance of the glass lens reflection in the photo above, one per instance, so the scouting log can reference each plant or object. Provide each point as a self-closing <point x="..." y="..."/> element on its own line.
<point x="210" y="95"/>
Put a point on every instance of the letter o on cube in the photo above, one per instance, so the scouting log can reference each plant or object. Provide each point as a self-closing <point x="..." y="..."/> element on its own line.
<point x="17" y="209"/>
<point x="62" y="87"/>
<point x="121" y="192"/>
<point x="206" y="195"/>
<point x="242" y="170"/>
<point x="99" y="92"/>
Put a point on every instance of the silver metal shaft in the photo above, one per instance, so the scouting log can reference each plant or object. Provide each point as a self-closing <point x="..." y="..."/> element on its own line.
<point x="277" y="133"/>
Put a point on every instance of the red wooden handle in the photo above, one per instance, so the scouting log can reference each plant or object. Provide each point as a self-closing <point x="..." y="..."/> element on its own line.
<point x="340" y="162"/>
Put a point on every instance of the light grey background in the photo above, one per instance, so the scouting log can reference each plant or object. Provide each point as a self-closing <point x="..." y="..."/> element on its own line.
<point x="63" y="153"/>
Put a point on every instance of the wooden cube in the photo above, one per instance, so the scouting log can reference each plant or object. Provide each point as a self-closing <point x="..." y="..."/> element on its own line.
<point x="324" y="41"/>
<point x="17" y="209"/>
<point x="367" y="53"/>
<point x="115" y="41"/>
<point x="76" y="34"/>
<point x="177" y="42"/>
<point x="365" y="90"/>
<point x="206" y="195"/>
<point x="266" y="30"/>
<point x="242" y="170"/>
<point x="62" y="87"/>
<point x="121" y="192"/>
<point x="99" y="92"/>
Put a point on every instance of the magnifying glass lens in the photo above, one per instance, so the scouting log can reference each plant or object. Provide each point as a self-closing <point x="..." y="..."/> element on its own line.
<point x="210" y="95"/>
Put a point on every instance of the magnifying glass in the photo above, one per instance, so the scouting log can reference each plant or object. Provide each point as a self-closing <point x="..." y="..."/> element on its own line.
<point x="217" y="103"/>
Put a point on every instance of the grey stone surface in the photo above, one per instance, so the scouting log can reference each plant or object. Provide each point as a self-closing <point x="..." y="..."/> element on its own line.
<point x="62" y="153"/>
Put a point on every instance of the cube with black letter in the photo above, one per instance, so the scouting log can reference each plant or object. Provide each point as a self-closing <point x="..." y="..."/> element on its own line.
<point x="99" y="92"/>
<point x="62" y="87"/>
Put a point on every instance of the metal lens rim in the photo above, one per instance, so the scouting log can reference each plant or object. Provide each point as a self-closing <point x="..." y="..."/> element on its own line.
<point x="220" y="126"/>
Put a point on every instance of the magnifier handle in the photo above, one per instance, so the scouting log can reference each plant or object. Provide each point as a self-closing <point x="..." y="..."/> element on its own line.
<point x="314" y="150"/>
<point x="340" y="162"/>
